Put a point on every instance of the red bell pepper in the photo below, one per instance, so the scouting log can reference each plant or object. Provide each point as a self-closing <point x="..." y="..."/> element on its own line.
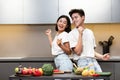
<point x="95" y="75"/>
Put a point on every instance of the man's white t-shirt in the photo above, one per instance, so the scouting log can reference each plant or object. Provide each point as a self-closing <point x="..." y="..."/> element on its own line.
<point x="88" y="42"/>
<point x="56" y="50"/>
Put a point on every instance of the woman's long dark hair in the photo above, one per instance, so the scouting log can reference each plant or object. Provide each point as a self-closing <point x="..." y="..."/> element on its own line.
<point x="68" y="28"/>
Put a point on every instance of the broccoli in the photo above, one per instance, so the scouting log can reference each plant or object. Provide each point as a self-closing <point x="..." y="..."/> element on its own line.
<point x="47" y="69"/>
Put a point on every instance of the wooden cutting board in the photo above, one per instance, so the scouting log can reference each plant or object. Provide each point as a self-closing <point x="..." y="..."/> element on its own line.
<point x="60" y="72"/>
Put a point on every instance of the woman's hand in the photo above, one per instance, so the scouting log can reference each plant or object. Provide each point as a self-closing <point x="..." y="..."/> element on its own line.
<point x="106" y="57"/>
<point x="103" y="57"/>
<point x="48" y="32"/>
<point x="64" y="46"/>
<point x="59" y="42"/>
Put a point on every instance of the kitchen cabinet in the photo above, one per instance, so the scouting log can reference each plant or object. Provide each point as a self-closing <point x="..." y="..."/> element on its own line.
<point x="108" y="67"/>
<point x="115" y="11"/>
<point x="40" y="11"/>
<point x="11" y="11"/>
<point x="117" y="72"/>
<point x="28" y="11"/>
<point x="96" y="11"/>
<point x="7" y="69"/>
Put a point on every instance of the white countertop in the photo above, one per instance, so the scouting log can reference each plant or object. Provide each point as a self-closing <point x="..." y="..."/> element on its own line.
<point x="11" y="57"/>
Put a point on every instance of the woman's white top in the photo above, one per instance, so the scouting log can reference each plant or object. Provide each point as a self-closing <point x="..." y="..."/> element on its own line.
<point x="56" y="50"/>
<point x="88" y="42"/>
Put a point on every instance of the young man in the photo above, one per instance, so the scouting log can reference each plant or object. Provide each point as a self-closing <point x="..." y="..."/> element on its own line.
<point x="82" y="42"/>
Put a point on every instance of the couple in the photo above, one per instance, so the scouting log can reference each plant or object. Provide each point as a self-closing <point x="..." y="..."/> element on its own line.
<point x="79" y="41"/>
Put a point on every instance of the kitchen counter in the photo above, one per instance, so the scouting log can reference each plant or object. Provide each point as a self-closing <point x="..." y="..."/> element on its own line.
<point x="44" y="59"/>
<point x="26" y="59"/>
<point x="58" y="76"/>
<point x="8" y="64"/>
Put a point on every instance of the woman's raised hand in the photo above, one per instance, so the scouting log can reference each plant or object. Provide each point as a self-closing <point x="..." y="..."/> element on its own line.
<point x="48" y="32"/>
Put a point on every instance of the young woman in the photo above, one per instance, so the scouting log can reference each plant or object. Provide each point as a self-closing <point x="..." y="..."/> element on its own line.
<point x="60" y="44"/>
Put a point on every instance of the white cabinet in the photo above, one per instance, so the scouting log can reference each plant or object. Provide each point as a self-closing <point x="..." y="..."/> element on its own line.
<point x="47" y="11"/>
<point x="40" y="11"/>
<point x="116" y="11"/>
<point x="96" y="11"/>
<point x="28" y="11"/>
<point x="11" y="11"/>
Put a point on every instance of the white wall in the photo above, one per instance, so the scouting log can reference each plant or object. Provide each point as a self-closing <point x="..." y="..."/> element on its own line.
<point x="30" y="40"/>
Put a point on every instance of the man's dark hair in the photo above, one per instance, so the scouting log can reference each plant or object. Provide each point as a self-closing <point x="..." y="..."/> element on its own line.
<point x="68" y="28"/>
<point x="79" y="11"/>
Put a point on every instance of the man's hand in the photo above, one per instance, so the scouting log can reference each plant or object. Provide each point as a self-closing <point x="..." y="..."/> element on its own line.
<point x="81" y="29"/>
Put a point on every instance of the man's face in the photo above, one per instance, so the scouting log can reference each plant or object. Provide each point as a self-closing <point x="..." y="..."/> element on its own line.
<point x="77" y="19"/>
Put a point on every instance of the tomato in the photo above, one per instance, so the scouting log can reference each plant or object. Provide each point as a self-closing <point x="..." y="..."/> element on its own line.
<point x="95" y="75"/>
<point x="56" y="70"/>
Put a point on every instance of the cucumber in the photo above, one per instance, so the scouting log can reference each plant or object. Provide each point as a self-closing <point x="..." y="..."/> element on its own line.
<point x="104" y="73"/>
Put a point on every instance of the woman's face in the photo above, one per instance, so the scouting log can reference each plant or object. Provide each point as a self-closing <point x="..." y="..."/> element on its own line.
<point x="77" y="19"/>
<point x="62" y="24"/>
